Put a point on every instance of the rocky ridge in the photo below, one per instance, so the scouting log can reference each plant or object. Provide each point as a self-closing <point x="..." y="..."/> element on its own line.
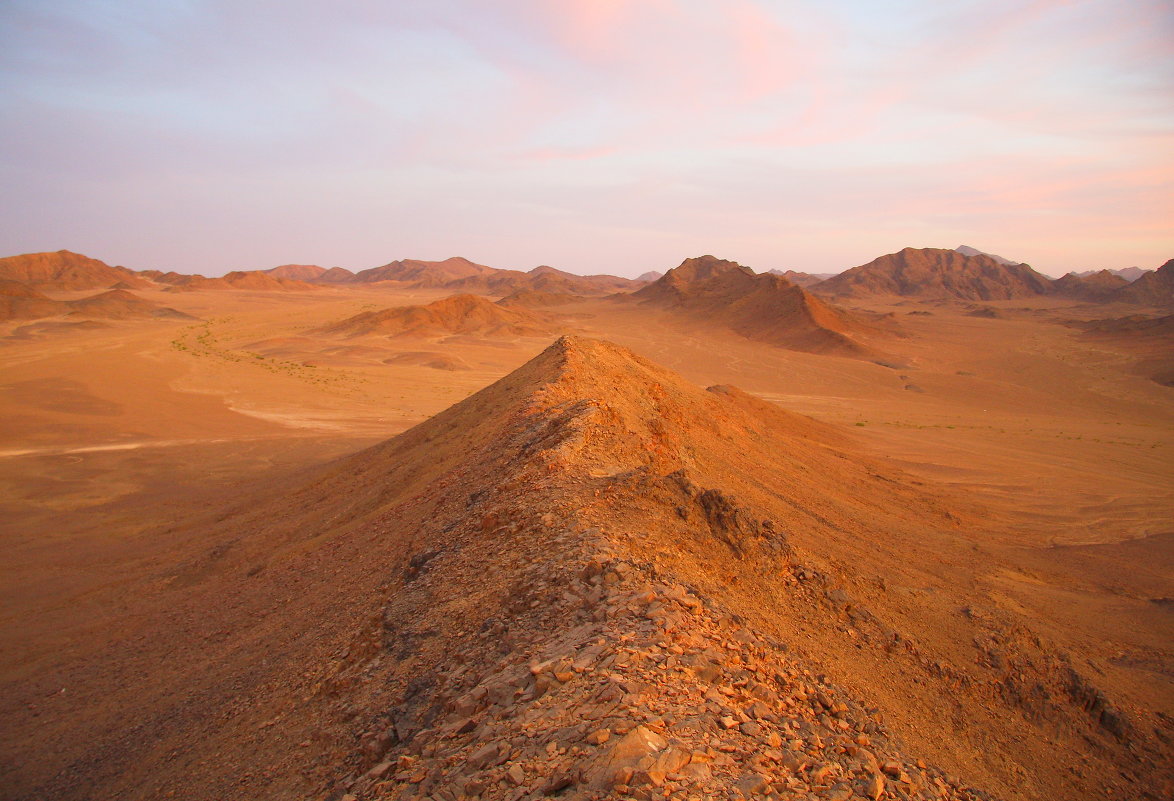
<point x="623" y="648"/>
<point x="653" y="694"/>
<point x="594" y="580"/>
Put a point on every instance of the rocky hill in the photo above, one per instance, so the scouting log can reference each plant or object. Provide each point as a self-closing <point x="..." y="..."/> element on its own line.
<point x="433" y="274"/>
<point x="336" y="275"/>
<point x="467" y="315"/>
<point x="939" y="274"/>
<point x="64" y="270"/>
<point x="590" y="580"/>
<point x="1151" y="289"/>
<point x="297" y="272"/>
<point x="766" y="307"/>
<point x="533" y="299"/>
<point x="1099" y="286"/>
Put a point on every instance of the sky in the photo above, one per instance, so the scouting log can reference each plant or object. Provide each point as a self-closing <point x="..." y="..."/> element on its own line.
<point x="596" y="136"/>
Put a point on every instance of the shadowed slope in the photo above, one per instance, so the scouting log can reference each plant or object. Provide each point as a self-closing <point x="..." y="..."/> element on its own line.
<point x="1098" y="286"/>
<point x="1152" y="288"/>
<point x="118" y="304"/>
<point x="21" y="302"/>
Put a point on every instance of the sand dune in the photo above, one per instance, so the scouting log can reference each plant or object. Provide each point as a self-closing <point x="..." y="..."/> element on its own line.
<point x="21" y="302"/>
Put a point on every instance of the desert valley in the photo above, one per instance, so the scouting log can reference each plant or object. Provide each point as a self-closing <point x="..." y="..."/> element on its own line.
<point x="436" y="530"/>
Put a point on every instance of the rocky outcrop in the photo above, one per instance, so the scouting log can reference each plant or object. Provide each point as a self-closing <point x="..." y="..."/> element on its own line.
<point x="767" y="308"/>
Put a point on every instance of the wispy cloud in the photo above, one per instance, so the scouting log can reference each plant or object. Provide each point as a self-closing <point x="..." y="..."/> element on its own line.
<point x="210" y="134"/>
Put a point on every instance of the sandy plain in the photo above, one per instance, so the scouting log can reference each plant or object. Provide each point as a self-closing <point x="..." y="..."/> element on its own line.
<point x="110" y="437"/>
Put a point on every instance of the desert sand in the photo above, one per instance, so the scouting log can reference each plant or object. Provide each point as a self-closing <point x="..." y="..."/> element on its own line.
<point x="938" y="557"/>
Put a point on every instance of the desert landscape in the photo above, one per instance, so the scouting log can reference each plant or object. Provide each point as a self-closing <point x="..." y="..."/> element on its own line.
<point x="437" y="530"/>
<point x="596" y="400"/>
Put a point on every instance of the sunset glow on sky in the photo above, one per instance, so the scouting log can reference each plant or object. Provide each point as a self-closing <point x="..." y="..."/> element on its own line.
<point x="592" y="135"/>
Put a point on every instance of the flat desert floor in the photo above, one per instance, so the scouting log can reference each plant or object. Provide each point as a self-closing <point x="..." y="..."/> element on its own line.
<point x="112" y="434"/>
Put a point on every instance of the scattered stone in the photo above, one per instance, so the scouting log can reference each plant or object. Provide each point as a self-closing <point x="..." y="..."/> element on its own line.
<point x="874" y="787"/>
<point x="753" y="784"/>
<point x="598" y="737"/>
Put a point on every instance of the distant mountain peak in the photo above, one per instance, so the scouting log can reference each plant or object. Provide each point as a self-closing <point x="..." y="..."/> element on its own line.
<point x="966" y="250"/>
<point x="700" y="268"/>
<point x="1130" y="274"/>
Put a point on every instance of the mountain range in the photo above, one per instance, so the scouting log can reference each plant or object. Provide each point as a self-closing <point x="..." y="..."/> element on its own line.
<point x="963" y="273"/>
